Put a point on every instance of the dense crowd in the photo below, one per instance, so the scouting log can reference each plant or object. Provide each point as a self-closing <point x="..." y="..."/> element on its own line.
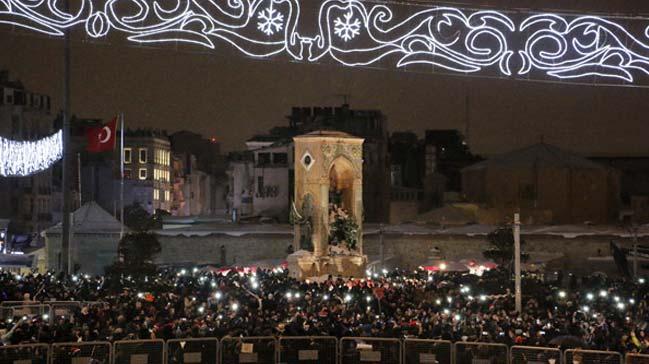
<point x="592" y="312"/>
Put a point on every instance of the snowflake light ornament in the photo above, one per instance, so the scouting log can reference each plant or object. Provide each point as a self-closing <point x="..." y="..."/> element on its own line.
<point x="348" y="28"/>
<point x="271" y="20"/>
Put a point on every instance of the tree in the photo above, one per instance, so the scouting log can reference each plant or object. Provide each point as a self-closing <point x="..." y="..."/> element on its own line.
<point x="502" y="246"/>
<point x="138" y="219"/>
<point x="136" y="251"/>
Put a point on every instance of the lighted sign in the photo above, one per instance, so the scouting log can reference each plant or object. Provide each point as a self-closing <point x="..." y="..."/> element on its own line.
<point x="355" y="33"/>
<point x="24" y="158"/>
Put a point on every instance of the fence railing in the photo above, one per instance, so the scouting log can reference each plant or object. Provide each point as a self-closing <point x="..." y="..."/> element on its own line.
<point x="636" y="359"/>
<point x="81" y="353"/>
<point x="534" y="355"/>
<point x="193" y="351"/>
<point x="481" y="353"/>
<point x="235" y="350"/>
<point x="302" y="350"/>
<point x="24" y="354"/>
<point x="355" y="350"/>
<point x="139" y="352"/>
<point x="420" y="351"/>
<point x="308" y="350"/>
<point x="578" y="356"/>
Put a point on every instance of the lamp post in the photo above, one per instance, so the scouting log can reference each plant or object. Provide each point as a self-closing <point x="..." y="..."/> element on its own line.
<point x="517" y="262"/>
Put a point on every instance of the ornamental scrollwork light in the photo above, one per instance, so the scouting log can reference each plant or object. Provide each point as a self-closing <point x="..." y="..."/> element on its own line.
<point x="362" y="33"/>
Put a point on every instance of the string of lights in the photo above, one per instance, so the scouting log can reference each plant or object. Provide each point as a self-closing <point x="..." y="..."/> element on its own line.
<point x="24" y="158"/>
<point x="530" y="46"/>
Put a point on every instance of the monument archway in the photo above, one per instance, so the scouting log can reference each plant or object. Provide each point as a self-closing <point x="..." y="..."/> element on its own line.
<point x="327" y="209"/>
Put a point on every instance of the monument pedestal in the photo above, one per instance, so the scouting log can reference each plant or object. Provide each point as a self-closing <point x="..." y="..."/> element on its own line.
<point x="304" y="265"/>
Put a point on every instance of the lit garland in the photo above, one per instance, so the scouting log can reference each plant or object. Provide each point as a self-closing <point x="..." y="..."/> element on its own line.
<point x="355" y="33"/>
<point x="24" y="158"/>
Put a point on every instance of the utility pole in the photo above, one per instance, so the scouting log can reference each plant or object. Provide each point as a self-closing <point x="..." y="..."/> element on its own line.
<point x="381" y="246"/>
<point x="517" y="262"/>
<point x="65" y="175"/>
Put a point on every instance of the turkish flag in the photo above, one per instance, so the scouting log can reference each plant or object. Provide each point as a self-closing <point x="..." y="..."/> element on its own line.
<point x="102" y="138"/>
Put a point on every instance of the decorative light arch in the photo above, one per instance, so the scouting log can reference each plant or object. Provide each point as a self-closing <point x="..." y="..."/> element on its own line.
<point x="361" y="33"/>
<point x="24" y="158"/>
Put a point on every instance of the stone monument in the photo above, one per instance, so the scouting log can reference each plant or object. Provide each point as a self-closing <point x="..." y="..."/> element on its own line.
<point x="327" y="210"/>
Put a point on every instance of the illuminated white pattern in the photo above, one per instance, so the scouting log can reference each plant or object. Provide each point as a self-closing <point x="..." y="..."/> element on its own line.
<point x="24" y="158"/>
<point x="356" y="33"/>
<point x="347" y="29"/>
<point x="271" y="20"/>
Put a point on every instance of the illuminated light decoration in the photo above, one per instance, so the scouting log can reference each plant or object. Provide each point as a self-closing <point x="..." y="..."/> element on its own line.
<point x="24" y="158"/>
<point x="355" y="33"/>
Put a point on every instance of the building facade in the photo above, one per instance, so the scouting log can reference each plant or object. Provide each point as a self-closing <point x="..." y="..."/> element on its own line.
<point x="25" y="115"/>
<point x="147" y="170"/>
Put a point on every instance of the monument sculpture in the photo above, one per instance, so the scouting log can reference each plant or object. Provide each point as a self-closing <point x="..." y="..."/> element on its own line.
<point x="327" y="210"/>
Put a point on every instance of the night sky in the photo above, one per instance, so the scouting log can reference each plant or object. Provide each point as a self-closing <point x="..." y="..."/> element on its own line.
<point x="231" y="97"/>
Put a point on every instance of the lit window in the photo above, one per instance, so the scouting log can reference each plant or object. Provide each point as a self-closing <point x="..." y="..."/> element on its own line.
<point x="127" y="155"/>
<point x="143" y="155"/>
<point x="167" y="195"/>
<point x="143" y="173"/>
<point x="156" y="194"/>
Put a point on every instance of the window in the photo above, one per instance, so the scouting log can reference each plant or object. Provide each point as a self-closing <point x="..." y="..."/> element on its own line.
<point x="280" y="158"/>
<point x="127" y="155"/>
<point x="167" y="196"/>
<point x="143" y="155"/>
<point x="156" y="194"/>
<point x="127" y="173"/>
<point x="143" y="173"/>
<point x="260" y="185"/>
<point x="263" y="159"/>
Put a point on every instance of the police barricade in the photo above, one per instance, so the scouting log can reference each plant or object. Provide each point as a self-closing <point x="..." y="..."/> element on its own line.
<point x="578" y="356"/>
<point x="19" y="303"/>
<point x="534" y="355"/>
<point x="481" y="353"/>
<point x="637" y="359"/>
<point x="32" y="311"/>
<point x="6" y="313"/>
<point x="235" y="350"/>
<point x="81" y="353"/>
<point x="63" y="309"/>
<point x="308" y="350"/>
<point x="370" y="350"/>
<point x="25" y="354"/>
<point x="138" y="352"/>
<point x="193" y="351"/>
<point x="420" y="351"/>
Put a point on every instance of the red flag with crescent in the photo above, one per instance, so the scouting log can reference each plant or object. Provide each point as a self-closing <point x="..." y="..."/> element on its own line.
<point x="102" y="138"/>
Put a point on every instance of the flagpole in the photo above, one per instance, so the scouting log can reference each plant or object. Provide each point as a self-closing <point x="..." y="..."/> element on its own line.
<point x="121" y="168"/>
<point x="66" y="264"/>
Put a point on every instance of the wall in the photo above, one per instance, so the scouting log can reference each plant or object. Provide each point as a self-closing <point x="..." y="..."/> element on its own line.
<point x="409" y="251"/>
<point x="93" y="252"/>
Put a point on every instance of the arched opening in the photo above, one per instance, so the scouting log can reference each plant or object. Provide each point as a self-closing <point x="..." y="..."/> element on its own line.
<point x="341" y="185"/>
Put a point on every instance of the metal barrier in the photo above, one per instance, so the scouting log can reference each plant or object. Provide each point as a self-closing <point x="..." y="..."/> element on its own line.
<point x="6" y="313"/>
<point x="427" y="351"/>
<point x="578" y="356"/>
<point x="25" y="354"/>
<point x="193" y="351"/>
<point x="62" y="309"/>
<point x="81" y="353"/>
<point x="139" y="352"/>
<point x="19" y="303"/>
<point x="637" y="359"/>
<point x="262" y="350"/>
<point x="481" y="353"/>
<point x="308" y="350"/>
<point x="534" y="355"/>
<point x="31" y="311"/>
<point x="370" y="350"/>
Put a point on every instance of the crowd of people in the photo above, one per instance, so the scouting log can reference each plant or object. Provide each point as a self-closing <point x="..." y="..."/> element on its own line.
<point x="590" y="312"/>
